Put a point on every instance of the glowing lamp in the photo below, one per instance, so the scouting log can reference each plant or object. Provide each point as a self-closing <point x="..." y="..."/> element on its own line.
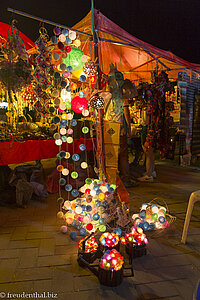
<point x="77" y="43"/>
<point x="74" y="59"/>
<point x="72" y="35"/>
<point x="65" y="172"/>
<point x="84" y="165"/>
<point x="62" y="38"/>
<point x="78" y="104"/>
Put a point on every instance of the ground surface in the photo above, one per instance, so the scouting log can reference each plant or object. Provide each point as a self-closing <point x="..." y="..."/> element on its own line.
<point x="37" y="258"/>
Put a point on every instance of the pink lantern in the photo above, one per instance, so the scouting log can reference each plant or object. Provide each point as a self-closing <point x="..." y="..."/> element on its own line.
<point x="78" y="104"/>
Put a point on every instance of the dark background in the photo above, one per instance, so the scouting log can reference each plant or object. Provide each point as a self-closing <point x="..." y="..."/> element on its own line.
<point x="168" y="24"/>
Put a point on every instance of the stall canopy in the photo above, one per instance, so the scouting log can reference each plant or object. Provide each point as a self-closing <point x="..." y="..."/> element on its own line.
<point x="5" y="31"/>
<point x="134" y="58"/>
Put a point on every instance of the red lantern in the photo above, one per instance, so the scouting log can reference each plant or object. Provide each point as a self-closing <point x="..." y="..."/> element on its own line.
<point x="78" y="104"/>
<point x="89" y="226"/>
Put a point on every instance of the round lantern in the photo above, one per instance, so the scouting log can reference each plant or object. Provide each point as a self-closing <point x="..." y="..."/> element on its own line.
<point x="78" y="104"/>
<point x="96" y="101"/>
<point x="73" y="59"/>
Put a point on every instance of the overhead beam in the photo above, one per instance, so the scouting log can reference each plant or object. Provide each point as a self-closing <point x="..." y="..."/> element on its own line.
<point x="24" y="14"/>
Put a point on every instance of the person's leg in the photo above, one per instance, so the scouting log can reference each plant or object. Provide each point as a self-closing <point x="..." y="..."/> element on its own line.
<point x="149" y="161"/>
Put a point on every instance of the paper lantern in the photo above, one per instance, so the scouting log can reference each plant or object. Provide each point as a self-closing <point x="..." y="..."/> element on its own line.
<point x="69" y="116"/>
<point x="65" y="74"/>
<point x="73" y="86"/>
<point x="69" y="69"/>
<point x="89" y="226"/>
<point x="73" y="59"/>
<point x="84" y="58"/>
<point x="62" y="181"/>
<point x="84" y="165"/>
<point x="62" y="106"/>
<point x="58" y="142"/>
<point x="57" y="31"/>
<point x="54" y="39"/>
<point x="56" y="135"/>
<point x="55" y="93"/>
<point x="56" y="56"/>
<point x="60" y="168"/>
<point x="73" y="235"/>
<point x="70" y="131"/>
<point x="78" y="210"/>
<point x="63" y="54"/>
<point x="65" y="172"/>
<point x="82" y="147"/>
<point x="83" y="78"/>
<point x="73" y="123"/>
<point x="63" y="229"/>
<point x="77" y="43"/>
<point x="78" y="104"/>
<point x="69" y="140"/>
<point x="75" y="157"/>
<point x="67" y="49"/>
<point x="60" y="215"/>
<point x="81" y="94"/>
<point x="85" y="130"/>
<point x="65" y="32"/>
<point x="85" y="112"/>
<point x="62" y="38"/>
<point x="72" y="35"/>
<point x="67" y="155"/>
<point x="75" y="193"/>
<point x="74" y="175"/>
<point x="69" y="220"/>
<point x="68" y="187"/>
<point x="68" y="41"/>
<point x="63" y="131"/>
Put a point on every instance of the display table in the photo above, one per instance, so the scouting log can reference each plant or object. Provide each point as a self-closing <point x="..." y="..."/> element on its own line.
<point x="24" y="151"/>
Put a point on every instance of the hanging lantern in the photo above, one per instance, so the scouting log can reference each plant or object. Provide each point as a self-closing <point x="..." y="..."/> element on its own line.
<point x="74" y="59"/>
<point x="78" y="104"/>
<point x="90" y="68"/>
<point x="96" y="101"/>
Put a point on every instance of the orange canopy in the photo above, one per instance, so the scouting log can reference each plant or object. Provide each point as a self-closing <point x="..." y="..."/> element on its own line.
<point x="133" y="57"/>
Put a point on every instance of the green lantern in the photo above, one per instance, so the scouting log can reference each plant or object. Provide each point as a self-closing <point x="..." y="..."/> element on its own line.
<point x="74" y="175"/>
<point x="88" y="180"/>
<point x="73" y="59"/>
<point x="85" y="130"/>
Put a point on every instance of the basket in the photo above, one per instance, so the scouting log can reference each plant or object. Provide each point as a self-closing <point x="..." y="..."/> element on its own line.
<point x="110" y="278"/>
<point x="135" y="251"/>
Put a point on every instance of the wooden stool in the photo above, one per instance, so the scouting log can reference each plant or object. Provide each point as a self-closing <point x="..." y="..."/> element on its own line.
<point x="194" y="197"/>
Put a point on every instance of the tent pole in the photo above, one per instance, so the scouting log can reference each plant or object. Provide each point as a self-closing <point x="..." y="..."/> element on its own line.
<point x="43" y="20"/>
<point x="99" y="125"/>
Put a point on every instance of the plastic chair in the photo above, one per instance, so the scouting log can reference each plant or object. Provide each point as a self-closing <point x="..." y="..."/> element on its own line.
<point x="194" y="197"/>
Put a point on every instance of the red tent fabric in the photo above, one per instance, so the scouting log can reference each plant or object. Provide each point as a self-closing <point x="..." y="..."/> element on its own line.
<point x="133" y="57"/>
<point x="4" y="28"/>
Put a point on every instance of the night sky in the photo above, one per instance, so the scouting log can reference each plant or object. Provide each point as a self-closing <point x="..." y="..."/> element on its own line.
<point x="168" y="24"/>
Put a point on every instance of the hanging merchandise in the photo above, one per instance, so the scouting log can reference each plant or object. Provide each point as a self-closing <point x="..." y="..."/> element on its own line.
<point x="42" y="72"/>
<point x="15" y="71"/>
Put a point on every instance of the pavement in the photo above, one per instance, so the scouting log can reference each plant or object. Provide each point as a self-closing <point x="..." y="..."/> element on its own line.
<point x="38" y="261"/>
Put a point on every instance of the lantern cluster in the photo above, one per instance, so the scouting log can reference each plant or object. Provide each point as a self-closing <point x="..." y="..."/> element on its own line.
<point x="136" y="237"/>
<point x="109" y="239"/>
<point x="112" y="260"/>
<point x="90" y="245"/>
<point x="89" y="213"/>
<point x="151" y="216"/>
